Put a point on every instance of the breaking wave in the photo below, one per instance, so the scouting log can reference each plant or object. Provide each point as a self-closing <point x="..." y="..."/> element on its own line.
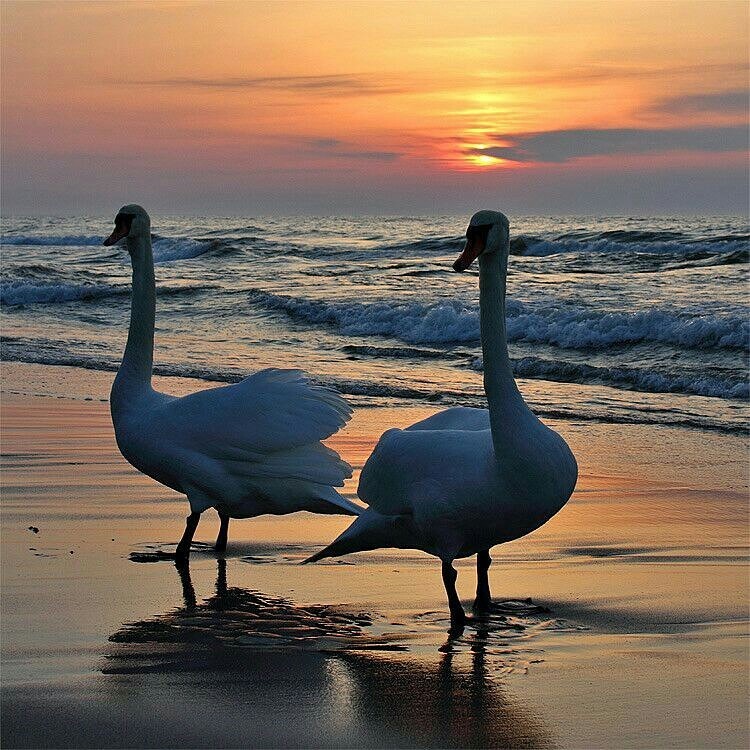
<point x="21" y="292"/>
<point x="183" y="248"/>
<point x="29" y="292"/>
<point x="164" y="248"/>
<point x="604" y="243"/>
<point x="648" y="381"/>
<point x="562" y="326"/>
<point x="59" y="240"/>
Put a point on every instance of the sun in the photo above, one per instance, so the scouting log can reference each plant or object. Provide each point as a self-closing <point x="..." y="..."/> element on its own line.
<point x="484" y="160"/>
<point x="472" y="154"/>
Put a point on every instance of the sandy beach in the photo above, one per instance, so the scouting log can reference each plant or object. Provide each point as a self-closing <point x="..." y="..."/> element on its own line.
<point x="625" y="622"/>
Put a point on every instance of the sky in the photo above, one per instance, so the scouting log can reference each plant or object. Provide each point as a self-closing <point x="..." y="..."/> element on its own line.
<point x="247" y="108"/>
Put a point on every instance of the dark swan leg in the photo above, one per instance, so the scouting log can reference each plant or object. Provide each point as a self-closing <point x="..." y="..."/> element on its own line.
<point x="458" y="618"/>
<point x="484" y="599"/>
<point x="221" y="540"/>
<point x="183" y="548"/>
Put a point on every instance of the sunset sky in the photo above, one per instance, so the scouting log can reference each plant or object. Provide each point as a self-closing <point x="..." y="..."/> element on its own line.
<point x="387" y="107"/>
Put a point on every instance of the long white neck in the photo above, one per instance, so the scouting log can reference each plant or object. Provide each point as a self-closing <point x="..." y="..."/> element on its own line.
<point x="506" y="405"/>
<point x="138" y="359"/>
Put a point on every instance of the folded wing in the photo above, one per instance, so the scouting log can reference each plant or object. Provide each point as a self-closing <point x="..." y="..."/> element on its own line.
<point x="269" y="411"/>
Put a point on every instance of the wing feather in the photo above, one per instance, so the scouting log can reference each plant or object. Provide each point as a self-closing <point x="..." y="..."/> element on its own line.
<point x="270" y="411"/>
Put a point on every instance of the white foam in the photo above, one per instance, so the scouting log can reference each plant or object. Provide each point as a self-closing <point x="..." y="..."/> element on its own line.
<point x="179" y="248"/>
<point x="564" y="326"/>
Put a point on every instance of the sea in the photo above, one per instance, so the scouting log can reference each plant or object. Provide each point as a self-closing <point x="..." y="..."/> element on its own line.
<point x="611" y="318"/>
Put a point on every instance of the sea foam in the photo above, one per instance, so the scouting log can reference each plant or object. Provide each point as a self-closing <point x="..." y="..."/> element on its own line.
<point x="561" y="325"/>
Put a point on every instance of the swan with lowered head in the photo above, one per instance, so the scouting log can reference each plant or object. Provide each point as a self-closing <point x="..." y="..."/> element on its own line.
<point x="465" y="479"/>
<point x="245" y="449"/>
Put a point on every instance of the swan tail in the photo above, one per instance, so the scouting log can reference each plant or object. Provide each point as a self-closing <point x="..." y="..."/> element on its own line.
<point x="341" y="505"/>
<point x="371" y="530"/>
<point x="313" y="462"/>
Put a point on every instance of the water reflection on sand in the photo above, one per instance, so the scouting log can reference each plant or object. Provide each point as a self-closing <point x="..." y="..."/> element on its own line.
<point x="334" y="681"/>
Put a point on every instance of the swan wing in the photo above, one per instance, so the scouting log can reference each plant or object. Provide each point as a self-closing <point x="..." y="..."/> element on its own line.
<point x="426" y="472"/>
<point x="271" y="411"/>
<point x="455" y="418"/>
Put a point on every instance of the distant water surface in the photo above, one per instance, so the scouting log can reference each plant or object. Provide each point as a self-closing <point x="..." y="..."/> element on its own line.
<point x="613" y="319"/>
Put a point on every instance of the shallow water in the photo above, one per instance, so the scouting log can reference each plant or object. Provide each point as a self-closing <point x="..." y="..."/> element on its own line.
<point x="636" y="320"/>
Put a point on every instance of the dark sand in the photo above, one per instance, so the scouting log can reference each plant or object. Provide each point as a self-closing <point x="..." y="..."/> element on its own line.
<point x="635" y="634"/>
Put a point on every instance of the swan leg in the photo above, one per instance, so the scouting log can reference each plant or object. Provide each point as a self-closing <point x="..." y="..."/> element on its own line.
<point x="484" y="599"/>
<point x="183" y="548"/>
<point x="221" y="540"/>
<point x="458" y="617"/>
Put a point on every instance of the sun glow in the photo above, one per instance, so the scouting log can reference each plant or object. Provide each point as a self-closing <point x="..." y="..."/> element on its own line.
<point x="484" y="160"/>
<point x="472" y="157"/>
<point x="351" y="113"/>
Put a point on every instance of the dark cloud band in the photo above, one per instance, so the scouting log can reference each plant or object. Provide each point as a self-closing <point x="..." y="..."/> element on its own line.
<point x="343" y="83"/>
<point x="564" y="145"/>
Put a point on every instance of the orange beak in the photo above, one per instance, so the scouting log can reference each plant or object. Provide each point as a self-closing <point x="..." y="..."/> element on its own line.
<point x="122" y="229"/>
<point x="473" y="248"/>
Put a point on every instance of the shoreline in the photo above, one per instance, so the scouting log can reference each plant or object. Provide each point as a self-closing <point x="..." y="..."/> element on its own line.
<point x="715" y="415"/>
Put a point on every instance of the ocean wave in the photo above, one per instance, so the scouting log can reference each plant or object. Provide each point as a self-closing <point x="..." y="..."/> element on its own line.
<point x="232" y="232"/>
<point x="570" y="327"/>
<point x="538" y="247"/>
<point x="20" y="349"/>
<point x="562" y="326"/>
<point x="647" y="381"/>
<point x="705" y="260"/>
<point x="164" y="248"/>
<point x="622" y="242"/>
<point x="28" y="292"/>
<point x="21" y="292"/>
<point x="167" y="249"/>
<point x="562" y="371"/>
<point x="429" y="245"/>
<point x="56" y="240"/>
<point x="373" y="393"/>
<point x="626" y="236"/>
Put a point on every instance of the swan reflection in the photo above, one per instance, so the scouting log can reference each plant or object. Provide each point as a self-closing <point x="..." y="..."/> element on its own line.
<point x="332" y="681"/>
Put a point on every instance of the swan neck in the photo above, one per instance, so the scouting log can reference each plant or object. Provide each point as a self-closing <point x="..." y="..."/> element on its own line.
<point x="138" y="360"/>
<point x="503" y="397"/>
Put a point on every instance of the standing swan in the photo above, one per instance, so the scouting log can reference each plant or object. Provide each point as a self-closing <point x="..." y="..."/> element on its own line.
<point x="463" y="480"/>
<point x="245" y="449"/>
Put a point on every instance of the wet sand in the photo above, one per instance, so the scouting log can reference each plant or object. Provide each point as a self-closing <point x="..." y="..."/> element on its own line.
<point x="621" y="623"/>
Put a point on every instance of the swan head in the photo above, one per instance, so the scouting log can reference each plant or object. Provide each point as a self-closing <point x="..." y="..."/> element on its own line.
<point x="131" y="222"/>
<point x="488" y="232"/>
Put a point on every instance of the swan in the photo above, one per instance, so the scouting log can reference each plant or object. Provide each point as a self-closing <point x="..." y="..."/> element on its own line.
<point x="245" y="449"/>
<point x="465" y="479"/>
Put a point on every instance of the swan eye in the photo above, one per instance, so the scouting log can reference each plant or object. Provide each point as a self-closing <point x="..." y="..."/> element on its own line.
<point x="478" y="232"/>
<point x="124" y="221"/>
<point x="123" y="224"/>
